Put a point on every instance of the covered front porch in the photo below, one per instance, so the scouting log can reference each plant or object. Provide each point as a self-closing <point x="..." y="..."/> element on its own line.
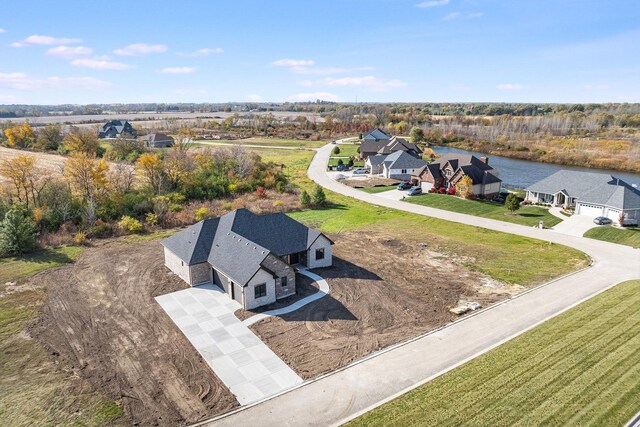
<point x="296" y="258"/>
<point x="560" y="198"/>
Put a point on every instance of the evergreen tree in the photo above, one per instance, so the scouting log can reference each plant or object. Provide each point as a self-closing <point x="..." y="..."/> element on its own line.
<point x="17" y="233"/>
<point x="319" y="198"/>
<point x="512" y="203"/>
<point x="305" y="199"/>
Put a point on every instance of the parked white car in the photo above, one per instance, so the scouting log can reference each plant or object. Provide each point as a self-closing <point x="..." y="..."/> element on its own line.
<point x="360" y="171"/>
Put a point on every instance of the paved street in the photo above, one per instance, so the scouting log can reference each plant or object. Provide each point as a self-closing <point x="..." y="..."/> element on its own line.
<point x="239" y="358"/>
<point x="378" y="378"/>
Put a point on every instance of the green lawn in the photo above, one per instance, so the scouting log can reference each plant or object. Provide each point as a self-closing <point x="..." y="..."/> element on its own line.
<point x="15" y="268"/>
<point x="526" y="215"/>
<point x="300" y="143"/>
<point x="629" y="236"/>
<point x="333" y="161"/>
<point x="374" y="190"/>
<point x="578" y="369"/>
<point x="347" y="150"/>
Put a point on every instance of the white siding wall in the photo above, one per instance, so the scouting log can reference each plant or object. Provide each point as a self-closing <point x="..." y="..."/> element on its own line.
<point x="176" y="265"/>
<point x="492" y="188"/>
<point x="321" y="242"/>
<point x="395" y="172"/>
<point x="250" y="301"/>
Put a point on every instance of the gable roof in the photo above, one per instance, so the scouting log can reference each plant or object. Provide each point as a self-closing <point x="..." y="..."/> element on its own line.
<point x="399" y="144"/>
<point x="590" y="187"/>
<point x="238" y="242"/>
<point x="376" y="160"/>
<point x="479" y="171"/>
<point x="377" y="134"/>
<point x="402" y="160"/>
<point x="158" y="137"/>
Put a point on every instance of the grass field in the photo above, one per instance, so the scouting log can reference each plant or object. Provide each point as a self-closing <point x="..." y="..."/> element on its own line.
<point x="629" y="236"/>
<point x="15" y="268"/>
<point x="526" y="215"/>
<point x="278" y="142"/>
<point x="333" y="161"/>
<point x="578" y="369"/>
<point x="347" y="150"/>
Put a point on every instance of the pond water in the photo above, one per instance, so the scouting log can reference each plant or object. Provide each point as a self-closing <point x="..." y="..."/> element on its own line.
<point x="522" y="173"/>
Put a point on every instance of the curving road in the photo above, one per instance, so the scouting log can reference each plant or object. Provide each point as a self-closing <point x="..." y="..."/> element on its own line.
<point x="369" y="382"/>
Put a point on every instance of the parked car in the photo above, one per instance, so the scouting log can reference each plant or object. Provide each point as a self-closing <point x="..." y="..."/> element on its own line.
<point x="404" y="186"/>
<point x="341" y="168"/>
<point x="333" y="142"/>
<point x="360" y="171"/>
<point x="602" y="220"/>
<point x="414" y="191"/>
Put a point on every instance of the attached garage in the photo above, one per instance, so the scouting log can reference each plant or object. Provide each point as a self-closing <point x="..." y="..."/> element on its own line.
<point x="589" y="210"/>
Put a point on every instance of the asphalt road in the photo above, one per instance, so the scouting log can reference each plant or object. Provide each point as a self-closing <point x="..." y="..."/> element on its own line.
<point x="365" y="384"/>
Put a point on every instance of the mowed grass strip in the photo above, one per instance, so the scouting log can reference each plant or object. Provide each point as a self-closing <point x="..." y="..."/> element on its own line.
<point x="526" y="215"/>
<point x="578" y="369"/>
<point x="374" y="190"/>
<point x="277" y="142"/>
<point x="14" y="268"/>
<point x="629" y="236"/>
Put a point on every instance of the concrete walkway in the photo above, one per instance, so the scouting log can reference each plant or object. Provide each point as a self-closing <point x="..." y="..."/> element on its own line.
<point x="239" y="358"/>
<point x="575" y="225"/>
<point x="372" y="381"/>
<point x="555" y="211"/>
<point x="324" y="290"/>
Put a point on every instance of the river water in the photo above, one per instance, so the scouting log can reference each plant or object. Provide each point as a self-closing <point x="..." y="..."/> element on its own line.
<point x="523" y="173"/>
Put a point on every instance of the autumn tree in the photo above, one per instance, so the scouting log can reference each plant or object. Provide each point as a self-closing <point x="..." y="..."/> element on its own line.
<point x="86" y="175"/>
<point x="82" y="141"/>
<point x="416" y="135"/>
<point x="20" y="136"/>
<point x="25" y="178"/>
<point x="464" y="187"/>
<point x="151" y="168"/>
<point x="125" y="146"/>
<point x="50" y="137"/>
<point x="178" y="164"/>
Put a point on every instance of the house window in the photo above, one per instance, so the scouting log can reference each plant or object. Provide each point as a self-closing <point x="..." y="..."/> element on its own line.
<point x="260" y="290"/>
<point x="403" y="171"/>
<point x="319" y="253"/>
<point x="283" y="281"/>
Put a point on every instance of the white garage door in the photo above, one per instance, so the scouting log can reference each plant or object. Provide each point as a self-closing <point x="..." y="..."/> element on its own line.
<point x="590" y="210"/>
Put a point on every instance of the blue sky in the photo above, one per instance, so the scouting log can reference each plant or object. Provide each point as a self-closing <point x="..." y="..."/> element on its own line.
<point x="54" y="52"/>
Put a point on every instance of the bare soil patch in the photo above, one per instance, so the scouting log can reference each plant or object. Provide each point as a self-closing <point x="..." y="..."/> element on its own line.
<point x="101" y="323"/>
<point x="383" y="291"/>
<point x="373" y="181"/>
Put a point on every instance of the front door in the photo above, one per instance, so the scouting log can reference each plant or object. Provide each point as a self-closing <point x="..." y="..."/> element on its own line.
<point x="294" y="258"/>
<point x="303" y="258"/>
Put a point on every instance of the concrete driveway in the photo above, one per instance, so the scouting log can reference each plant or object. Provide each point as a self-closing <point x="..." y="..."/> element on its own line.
<point x="239" y="358"/>
<point x="575" y="225"/>
<point x="376" y="379"/>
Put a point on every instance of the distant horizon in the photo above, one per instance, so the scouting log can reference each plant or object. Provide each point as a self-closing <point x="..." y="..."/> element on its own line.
<point x="372" y="51"/>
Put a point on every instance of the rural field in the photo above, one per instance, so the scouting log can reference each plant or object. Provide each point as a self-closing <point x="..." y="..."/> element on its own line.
<point x="577" y="369"/>
<point x="91" y="324"/>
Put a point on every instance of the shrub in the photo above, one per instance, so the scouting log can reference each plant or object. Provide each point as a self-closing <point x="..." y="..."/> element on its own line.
<point x="442" y="190"/>
<point x="201" y="213"/>
<point x="281" y="187"/>
<point x="451" y="191"/>
<point x="130" y="224"/>
<point x="340" y="162"/>
<point x="101" y="229"/>
<point x="17" y="233"/>
<point x="336" y="151"/>
<point x="432" y="190"/>
<point x="319" y="198"/>
<point x="80" y="238"/>
<point x="151" y="219"/>
<point x="260" y="192"/>
<point x="350" y="163"/>
<point x="512" y="203"/>
<point x="305" y="199"/>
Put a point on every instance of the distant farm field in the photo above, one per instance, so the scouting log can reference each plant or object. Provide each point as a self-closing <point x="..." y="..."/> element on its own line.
<point x="578" y="369"/>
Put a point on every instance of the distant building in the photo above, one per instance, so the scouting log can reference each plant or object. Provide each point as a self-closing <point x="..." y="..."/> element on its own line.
<point x="389" y="146"/>
<point x="158" y="140"/>
<point x="115" y="129"/>
<point x="375" y="135"/>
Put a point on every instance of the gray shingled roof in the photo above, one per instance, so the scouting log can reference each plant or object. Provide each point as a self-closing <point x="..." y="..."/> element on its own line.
<point x="590" y="187"/>
<point x="237" y="243"/>
<point x="402" y="160"/>
<point x="377" y="134"/>
<point x="376" y="160"/>
<point x="158" y="137"/>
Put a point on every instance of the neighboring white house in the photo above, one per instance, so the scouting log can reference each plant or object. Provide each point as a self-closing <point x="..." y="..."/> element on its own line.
<point x="591" y="194"/>
<point x="251" y="257"/>
<point x="398" y="165"/>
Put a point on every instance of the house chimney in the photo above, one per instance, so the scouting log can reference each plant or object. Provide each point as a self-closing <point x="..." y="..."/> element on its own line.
<point x="484" y="159"/>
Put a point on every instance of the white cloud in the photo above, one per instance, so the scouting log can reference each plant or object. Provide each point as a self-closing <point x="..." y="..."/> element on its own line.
<point x="44" y="41"/>
<point x="69" y="51"/>
<point x="313" y="96"/>
<point x="140" y="49"/>
<point x="99" y="64"/>
<point x="293" y="62"/>
<point x="510" y="86"/>
<point x="2" y="31"/>
<point x="201" y="52"/>
<point x="22" y="81"/>
<point x="178" y="70"/>
<point x="254" y="98"/>
<point x="8" y="99"/>
<point x="433" y="3"/>
<point x="372" y="83"/>
<point x="460" y="15"/>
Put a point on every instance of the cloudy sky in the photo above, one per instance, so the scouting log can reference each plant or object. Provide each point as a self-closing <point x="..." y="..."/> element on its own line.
<point x="339" y="50"/>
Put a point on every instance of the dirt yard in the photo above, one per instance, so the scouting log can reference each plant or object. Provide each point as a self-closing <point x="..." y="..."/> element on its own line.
<point x="101" y="321"/>
<point x="370" y="181"/>
<point x="383" y="291"/>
